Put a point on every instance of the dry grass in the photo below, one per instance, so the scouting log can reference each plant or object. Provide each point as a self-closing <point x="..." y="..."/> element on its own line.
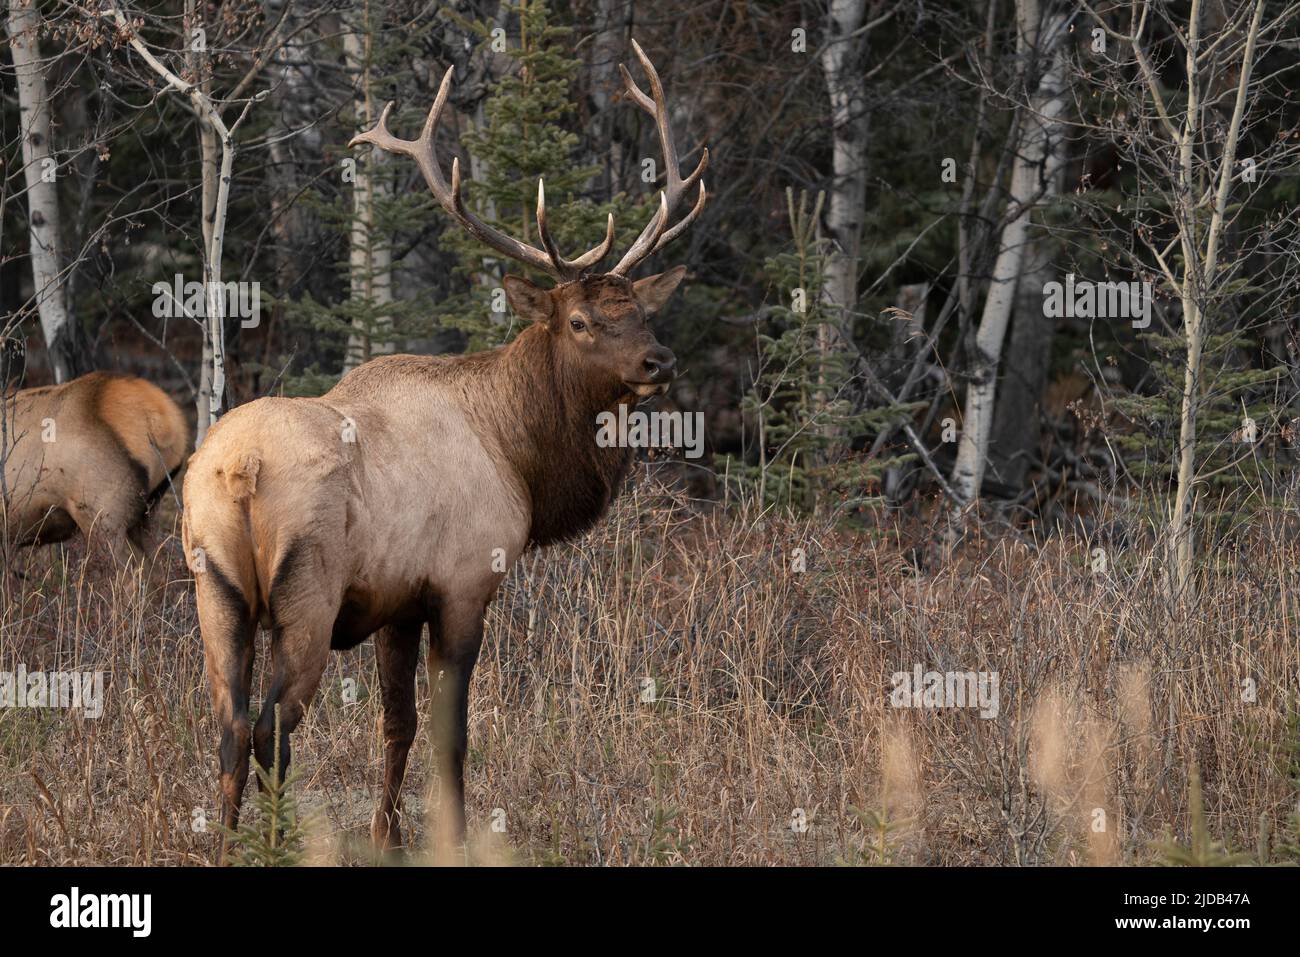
<point x="770" y="705"/>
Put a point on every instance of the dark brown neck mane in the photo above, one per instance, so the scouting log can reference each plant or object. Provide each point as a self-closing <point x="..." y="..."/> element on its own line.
<point x="546" y="420"/>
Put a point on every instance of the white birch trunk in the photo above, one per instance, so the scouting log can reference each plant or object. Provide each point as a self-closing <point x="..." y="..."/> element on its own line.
<point x="370" y="259"/>
<point x="1039" y="133"/>
<point x="215" y="299"/>
<point x="42" y="193"/>
<point x="842" y="60"/>
<point x="209" y="170"/>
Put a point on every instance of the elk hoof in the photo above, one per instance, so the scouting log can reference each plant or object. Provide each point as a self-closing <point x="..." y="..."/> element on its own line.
<point x="386" y="831"/>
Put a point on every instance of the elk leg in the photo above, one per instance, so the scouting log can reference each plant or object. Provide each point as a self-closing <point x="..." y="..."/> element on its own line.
<point x="397" y="653"/>
<point x="298" y="656"/>
<point x="137" y="536"/>
<point x="453" y="652"/>
<point x="95" y="530"/>
<point x="113" y="543"/>
<point x="236" y="735"/>
<point x="104" y="526"/>
<point x="54" y="526"/>
<point x="228" y="631"/>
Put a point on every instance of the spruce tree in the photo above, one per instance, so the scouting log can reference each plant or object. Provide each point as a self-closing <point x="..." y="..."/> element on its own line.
<point x="803" y="403"/>
<point x="1235" y="432"/>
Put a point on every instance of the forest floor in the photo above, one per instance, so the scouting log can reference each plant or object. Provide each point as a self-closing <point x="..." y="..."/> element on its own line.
<point x="696" y="685"/>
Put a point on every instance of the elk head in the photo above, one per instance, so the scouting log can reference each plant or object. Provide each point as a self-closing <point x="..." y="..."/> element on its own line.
<point x="598" y="321"/>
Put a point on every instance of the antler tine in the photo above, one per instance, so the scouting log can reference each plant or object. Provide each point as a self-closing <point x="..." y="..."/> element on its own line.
<point x="548" y="243"/>
<point x="680" y="228"/>
<point x="420" y="149"/>
<point x="380" y="131"/>
<point x="647" y="241"/>
<point x="654" y="236"/>
<point x="597" y="253"/>
<point x="424" y="152"/>
<point x="658" y="108"/>
<point x="381" y="138"/>
<point x="572" y="268"/>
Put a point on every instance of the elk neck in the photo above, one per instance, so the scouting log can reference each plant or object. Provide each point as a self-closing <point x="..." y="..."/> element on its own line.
<point x="545" y="420"/>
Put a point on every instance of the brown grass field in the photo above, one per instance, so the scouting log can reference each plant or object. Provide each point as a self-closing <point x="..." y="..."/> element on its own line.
<point x="767" y="737"/>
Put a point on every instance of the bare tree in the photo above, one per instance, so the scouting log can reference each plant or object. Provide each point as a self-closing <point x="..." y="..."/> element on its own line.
<point x="843" y="61"/>
<point x="1186" y="150"/>
<point x="217" y="140"/>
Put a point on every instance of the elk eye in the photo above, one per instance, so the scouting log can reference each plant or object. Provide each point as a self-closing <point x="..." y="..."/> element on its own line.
<point x="577" y="324"/>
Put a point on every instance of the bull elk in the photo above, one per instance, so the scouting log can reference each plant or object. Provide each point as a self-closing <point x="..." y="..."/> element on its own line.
<point x="400" y="497"/>
<point x="91" y="454"/>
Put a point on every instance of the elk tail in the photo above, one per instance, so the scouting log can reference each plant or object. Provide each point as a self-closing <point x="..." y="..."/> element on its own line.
<point x="241" y="474"/>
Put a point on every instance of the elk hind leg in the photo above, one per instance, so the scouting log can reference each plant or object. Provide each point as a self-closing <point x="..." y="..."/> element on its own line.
<point x="299" y="651"/>
<point x="228" y="629"/>
<point x="302" y="607"/>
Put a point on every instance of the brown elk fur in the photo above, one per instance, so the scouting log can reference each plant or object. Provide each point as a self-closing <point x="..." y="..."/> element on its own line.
<point x="400" y="498"/>
<point x="91" y="454"/>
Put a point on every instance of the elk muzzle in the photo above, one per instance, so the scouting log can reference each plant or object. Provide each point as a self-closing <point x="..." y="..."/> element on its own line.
<point x="658" y="367"/>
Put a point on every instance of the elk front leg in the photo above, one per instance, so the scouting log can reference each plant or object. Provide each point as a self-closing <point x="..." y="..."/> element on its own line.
<point x="105" y="522"/>
<point x="397" y="653"/>
<point x="453" y="652"/>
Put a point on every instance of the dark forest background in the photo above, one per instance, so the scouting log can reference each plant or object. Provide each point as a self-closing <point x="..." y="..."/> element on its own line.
<point x="892" y="187"/>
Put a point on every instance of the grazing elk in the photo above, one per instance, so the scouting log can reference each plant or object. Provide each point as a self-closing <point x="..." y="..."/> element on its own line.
<point x="400" y="497"/>
<point x="91" y="454"/>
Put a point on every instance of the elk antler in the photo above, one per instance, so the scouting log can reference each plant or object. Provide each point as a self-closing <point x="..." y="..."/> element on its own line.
<point x="656" y="235"/>
<point x="425" y="154"/>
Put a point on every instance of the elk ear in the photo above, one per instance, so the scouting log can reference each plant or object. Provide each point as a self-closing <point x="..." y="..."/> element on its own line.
<point x="530" y="303"/>
<point x="653" y="292"/>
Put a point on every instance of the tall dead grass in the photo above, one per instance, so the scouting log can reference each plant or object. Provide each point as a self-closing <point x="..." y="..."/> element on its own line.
<point x="672" y="689"/>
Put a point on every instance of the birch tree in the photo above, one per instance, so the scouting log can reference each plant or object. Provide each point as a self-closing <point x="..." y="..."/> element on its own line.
<point x="843" y="57"/>
<point x="843" y="61"/>
<point x="1039" y="153"/>
<point x="370" y="258"/>
<point x="1015" y="432"/>
<point x="39" y="172"/>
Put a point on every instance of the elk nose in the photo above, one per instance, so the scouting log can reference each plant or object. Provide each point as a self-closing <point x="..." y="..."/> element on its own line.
<point x="659" y="364"/>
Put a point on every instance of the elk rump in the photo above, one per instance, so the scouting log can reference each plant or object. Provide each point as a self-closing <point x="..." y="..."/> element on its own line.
<point x="90" y="455"/>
